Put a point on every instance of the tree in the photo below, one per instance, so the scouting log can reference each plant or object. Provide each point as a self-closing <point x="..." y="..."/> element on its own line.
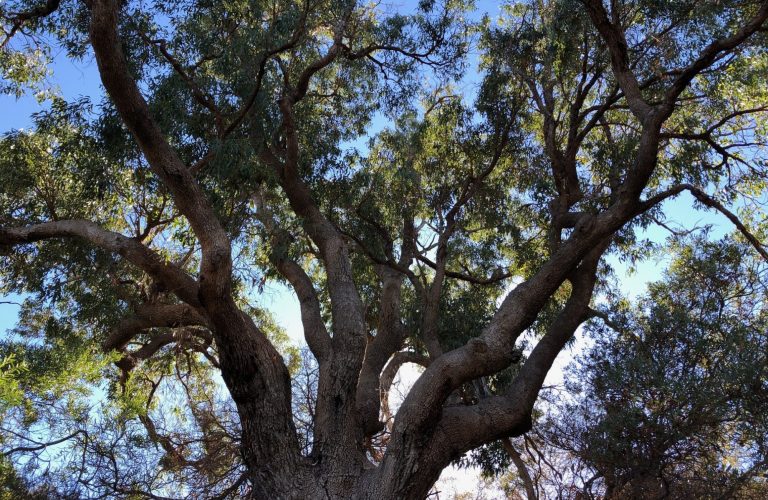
<point x="629" y="424"/>
<point x="230" y="152"/>
<point x="640" y="426"/>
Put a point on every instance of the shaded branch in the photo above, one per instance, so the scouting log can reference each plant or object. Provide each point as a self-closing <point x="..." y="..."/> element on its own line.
<point x="152" y="316"/>
<point x="390" y="335"/>
<point x="616" y="42"/>
<point x="162" y="158"/>
<point x="41" y="446"/>
<point x="714" y="51"/>
<point x="315" y="332"/>
<point x="18" y="19"/>
<point x="710" y="202"/>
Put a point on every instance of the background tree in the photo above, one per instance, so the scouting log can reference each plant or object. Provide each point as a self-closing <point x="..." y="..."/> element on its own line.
<point x="229" y="152"/>
<point x="643" y="430"/>
<point x="628" y="424"/>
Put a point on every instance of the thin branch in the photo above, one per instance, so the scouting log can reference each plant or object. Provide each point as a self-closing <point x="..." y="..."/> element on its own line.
<point x="42" y="446"/>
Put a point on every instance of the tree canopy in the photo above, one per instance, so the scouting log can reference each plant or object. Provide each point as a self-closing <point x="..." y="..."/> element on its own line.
<point x="436" y="186"/>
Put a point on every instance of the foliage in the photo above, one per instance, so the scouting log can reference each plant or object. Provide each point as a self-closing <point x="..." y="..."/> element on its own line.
<point x="645" y="430"/>
<point x="629" y="424"/>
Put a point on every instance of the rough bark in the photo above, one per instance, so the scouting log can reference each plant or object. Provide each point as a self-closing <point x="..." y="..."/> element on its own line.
<point x="251" y="367"/>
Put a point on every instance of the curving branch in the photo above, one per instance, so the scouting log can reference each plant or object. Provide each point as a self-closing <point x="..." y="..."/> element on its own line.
<point x="390" y="335"/>
<point x="252" y="368"/>
<point x="39" y="446"/>
<point x="173" y="278"/>
<point x="710" y="202"/>
<point x="19" y="19"/>
<point x="509" y="414"/>
<point x="315" y="331"/>
<point x="335" y="427"/>
<point x="616" y="42"/>
<point x="716" y="51"/>
<point x="396" y="362"/>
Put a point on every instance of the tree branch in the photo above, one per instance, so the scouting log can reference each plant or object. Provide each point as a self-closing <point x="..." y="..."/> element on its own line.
<point x="172" y="277"/>
<point x="315" y="332"/>
<point x="18" y="19"/>
<point x="163" y="159"/>
<point x="42" y="446"/>
<point x="616" y="42"/>
<point x="390" y="334"/>
<point x="710" y="202"/>
<point x="152" y="316"/>
<point x="714" y="51"/>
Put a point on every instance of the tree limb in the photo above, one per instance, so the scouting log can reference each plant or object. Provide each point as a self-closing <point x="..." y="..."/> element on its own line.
<point x="152" y="316"/>
<point x="172" y="277"/>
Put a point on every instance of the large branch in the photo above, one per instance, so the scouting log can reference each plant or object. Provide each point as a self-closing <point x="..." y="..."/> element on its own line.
<point x="529" y="380"/>
<point x="172" y="277"/>
<point x="493" y="350"/>
<point x="334" y="426"/>
<point x="390" y="334"/>
<point x="315" y="331"/>
<point x="614" y="38"/>
<point x="162" y="158"/>
<point x="152" y="316"/>
<point x="510" y="413"/>
<point x="252" y="368"/>
<point x="461" y="428"/>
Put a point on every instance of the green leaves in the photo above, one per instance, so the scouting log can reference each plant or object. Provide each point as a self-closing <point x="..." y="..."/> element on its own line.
<point x="11" y="393"/>
<point x="22" y="71"/>
<point x="453" y="187"/>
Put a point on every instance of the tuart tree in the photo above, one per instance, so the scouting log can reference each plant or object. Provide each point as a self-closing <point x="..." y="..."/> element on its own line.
<point x="329" y="146"/>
